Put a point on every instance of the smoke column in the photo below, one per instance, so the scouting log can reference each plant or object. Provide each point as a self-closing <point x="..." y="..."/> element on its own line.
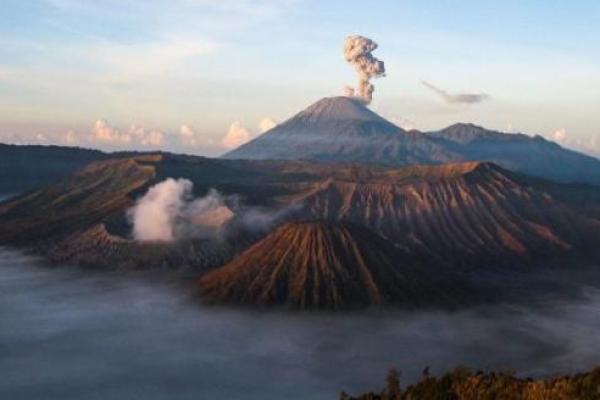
<point x="357" y="51"/>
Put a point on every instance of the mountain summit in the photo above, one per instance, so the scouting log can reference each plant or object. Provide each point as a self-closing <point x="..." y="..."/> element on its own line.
<point x="334" y="129"/>
<point x="339" y="108"/>
<point x="342" y="129"/>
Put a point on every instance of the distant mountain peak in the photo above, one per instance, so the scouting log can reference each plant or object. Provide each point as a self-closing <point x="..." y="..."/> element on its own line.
<point x="339" y="108"/>
<point x="343" y="129"/>
<point x="466" y="132"/>
<point x="333" y="126"/>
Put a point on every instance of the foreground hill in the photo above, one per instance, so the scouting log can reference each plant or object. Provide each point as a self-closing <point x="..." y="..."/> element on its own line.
<point x="323" y="265"/>
<point x="340" y="129"/>
<point x="462" y="384"/>
<point x="400" y="225"/>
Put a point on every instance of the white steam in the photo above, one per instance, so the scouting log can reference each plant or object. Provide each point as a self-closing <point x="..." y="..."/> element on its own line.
<point x="357" y="51"/>
<point x="168" y="212"/>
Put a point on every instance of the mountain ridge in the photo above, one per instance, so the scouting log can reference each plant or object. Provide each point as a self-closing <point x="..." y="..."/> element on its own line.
<point x="466" y="219"/>
<point x="339" y="129"/>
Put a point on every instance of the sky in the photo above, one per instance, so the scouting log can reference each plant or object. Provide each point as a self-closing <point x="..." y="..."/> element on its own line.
<point x="202" y="76"/>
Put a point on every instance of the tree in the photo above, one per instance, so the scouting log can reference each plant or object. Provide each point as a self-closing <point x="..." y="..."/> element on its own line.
<point x="392" y="384"/>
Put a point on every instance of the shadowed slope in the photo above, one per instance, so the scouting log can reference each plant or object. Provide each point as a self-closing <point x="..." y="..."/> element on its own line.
<point x="24" y="167"/>
<point x="534" y="156"/>
<point x="321" y="265"/>
<point x="84" y="198"/>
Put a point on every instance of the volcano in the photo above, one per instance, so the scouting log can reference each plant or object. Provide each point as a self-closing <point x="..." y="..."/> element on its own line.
<point x="345" y="236"/>
<point x="343" y="129"/>
<point x="318" y="265"/>
<point x="338" y="129"/>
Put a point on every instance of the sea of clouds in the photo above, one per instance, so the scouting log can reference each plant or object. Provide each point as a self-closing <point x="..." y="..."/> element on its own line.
<point x="66" y="334"/>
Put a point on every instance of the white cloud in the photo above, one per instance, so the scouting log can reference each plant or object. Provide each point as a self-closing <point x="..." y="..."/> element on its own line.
<point x="559" y="135"/>
<point x="108" y="137"/>
<point x="105" y="133"/>
<point x="588" y="145"/>
<point x="187" y="133"/>
<point x="236" y="136"/>
<point x="102" y="131"/>
<point x="151" y="138"/>
<point x="266" y="124"/>
<point x="190" y="138"/>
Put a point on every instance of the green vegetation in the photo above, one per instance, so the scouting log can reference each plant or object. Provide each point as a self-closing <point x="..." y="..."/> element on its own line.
<point x="462" y="384"/>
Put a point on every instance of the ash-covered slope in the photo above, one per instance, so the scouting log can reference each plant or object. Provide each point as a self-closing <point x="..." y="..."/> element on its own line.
<point x="318" y="265"/>
<point x="87" y="197"/>
<point x="468" y="214"/>
<point x="82" y="219"/>
<point x="342" y="129"/>
<point x="460" y="216"/>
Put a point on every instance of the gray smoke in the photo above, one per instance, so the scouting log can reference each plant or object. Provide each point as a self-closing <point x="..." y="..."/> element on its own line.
<point x="357" y="51"/>
<point x="458" y="98"/>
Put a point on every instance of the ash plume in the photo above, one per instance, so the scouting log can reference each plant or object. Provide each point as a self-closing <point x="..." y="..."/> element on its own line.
<point x="357" y="51"/>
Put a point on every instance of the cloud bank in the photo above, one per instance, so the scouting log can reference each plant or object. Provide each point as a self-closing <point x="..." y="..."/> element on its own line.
<point x="458" y="98"/>
<point x="104" y="133"/>
<point x="106" y="136"/>
<point x="52" y="330"/>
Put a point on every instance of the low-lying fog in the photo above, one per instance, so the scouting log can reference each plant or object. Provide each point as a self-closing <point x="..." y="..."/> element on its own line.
<point x="6" y="196"/>
<point x="69" y="335"/>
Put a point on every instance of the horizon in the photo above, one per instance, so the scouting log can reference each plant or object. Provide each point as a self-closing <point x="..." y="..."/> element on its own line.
<point x="201" y="78"/>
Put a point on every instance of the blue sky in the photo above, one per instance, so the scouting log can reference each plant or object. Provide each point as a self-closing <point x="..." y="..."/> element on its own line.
<point x="182" y="74"/>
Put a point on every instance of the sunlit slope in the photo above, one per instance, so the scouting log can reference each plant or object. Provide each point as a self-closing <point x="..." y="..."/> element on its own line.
<point x="318" y="265"/>
<point x="473" y="214"/>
